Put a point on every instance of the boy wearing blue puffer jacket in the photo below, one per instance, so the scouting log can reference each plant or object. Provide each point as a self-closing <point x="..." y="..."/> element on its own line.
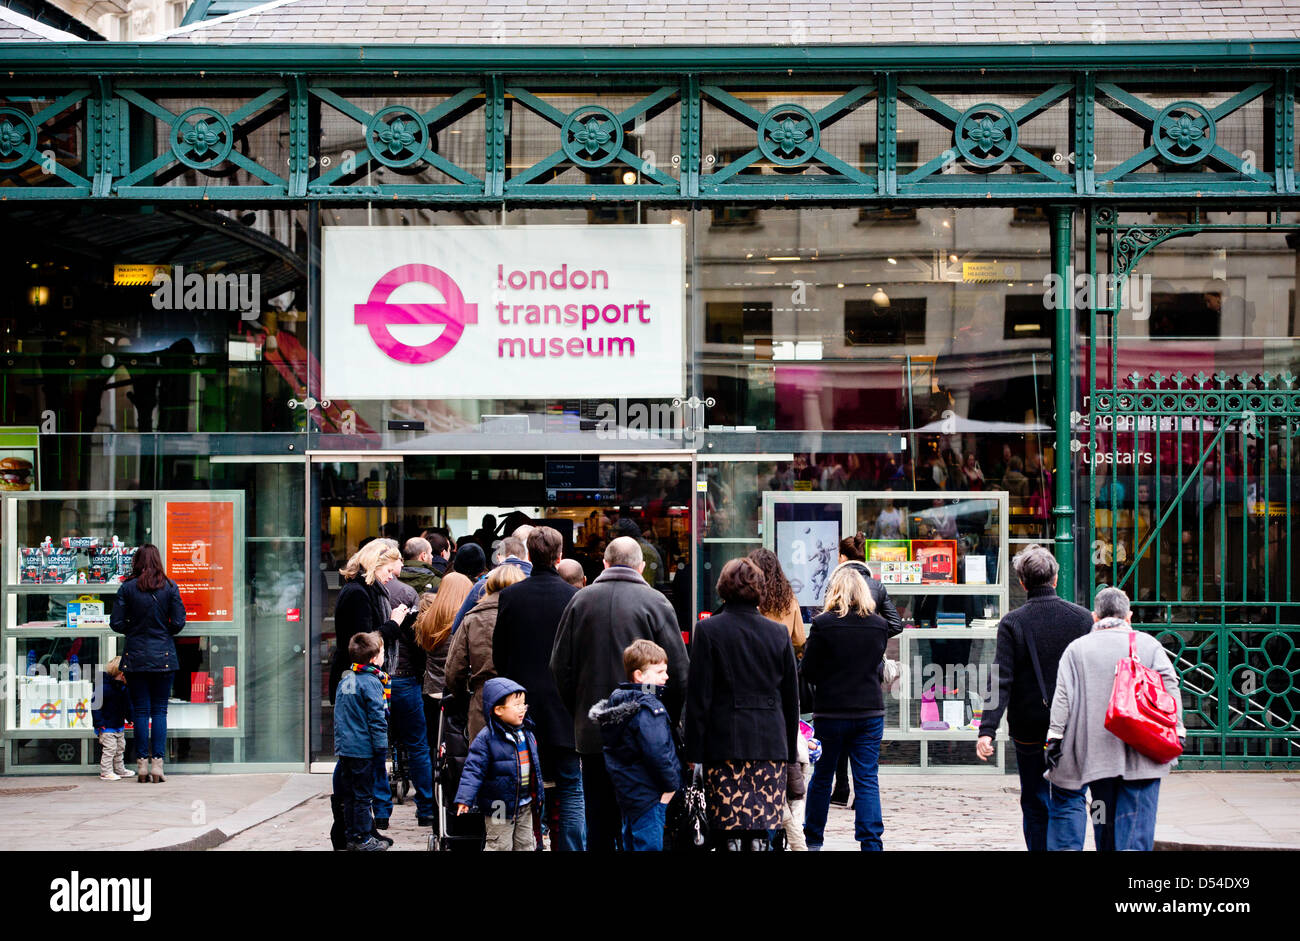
<point x="639" y="750"/>
<point x="502" y="776"/>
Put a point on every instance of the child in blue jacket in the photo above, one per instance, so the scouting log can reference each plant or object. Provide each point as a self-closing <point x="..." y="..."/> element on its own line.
<point x="502" y="776"/>
<point x="640" y="753"/>
<point x="361" y="738"/>
<point x="109" y="721"/>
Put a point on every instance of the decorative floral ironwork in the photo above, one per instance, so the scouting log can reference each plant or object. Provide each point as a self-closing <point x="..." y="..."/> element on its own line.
<point x="986" y="135"/>
<point x="592" y="136"/>
<point x="789" y="135"/>
<point x="202" y="138"/>
<point x="1184" y="132"/>
<point x="397" y="136"/>
<point x="1137" y="241"/>
<point x="17" y="138"/>
<point x="11" y="137"/>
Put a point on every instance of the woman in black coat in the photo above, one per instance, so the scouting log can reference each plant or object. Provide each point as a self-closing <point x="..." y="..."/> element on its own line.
<point x="742" y="711"/>
<point x="148" y="610"/>
<point x="363" y="605"/>
<point x="842" y="661"/>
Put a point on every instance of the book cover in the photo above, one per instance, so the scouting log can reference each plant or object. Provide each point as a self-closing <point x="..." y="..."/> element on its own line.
<point x="938" y="558"/>
<point x="888" y="550"/>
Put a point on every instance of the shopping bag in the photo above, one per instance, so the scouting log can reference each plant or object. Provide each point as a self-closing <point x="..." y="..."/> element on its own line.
<point x="1141" y="713"/>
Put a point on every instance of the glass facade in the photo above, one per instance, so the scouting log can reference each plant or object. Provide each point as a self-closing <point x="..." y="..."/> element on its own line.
<point x="904" y="338"/>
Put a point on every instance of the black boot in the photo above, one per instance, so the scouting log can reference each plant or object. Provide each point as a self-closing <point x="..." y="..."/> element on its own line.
<point x="338" y="839"/>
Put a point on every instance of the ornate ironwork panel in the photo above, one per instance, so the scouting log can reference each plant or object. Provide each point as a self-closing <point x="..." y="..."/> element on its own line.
<point x="372" y="140"/>
<point x="1193" y="502"/>
<point x="567" y="143"/>
<point x="674" y="134"/>
<point x="232" y="140"/>
<point x="49" y="142"/>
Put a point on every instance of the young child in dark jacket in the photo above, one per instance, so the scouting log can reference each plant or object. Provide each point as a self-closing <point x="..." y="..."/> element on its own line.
<point x="361" y="739"/>
<point x="640" y="754"/>
<point x="502" y="776"/>
<point x="109" y="721"/>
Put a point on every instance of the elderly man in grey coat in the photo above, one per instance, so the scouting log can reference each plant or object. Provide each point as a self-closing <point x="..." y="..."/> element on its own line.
<point x="597" y="625"/>
<point x="1082" y="753"/>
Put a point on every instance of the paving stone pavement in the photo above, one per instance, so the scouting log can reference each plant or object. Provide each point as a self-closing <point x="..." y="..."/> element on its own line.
<point x="921" y="813"/>
<point x="291" y="812"/>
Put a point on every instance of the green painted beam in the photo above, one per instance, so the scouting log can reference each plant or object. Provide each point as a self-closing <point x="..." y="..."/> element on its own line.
<point x="190" y="57"/>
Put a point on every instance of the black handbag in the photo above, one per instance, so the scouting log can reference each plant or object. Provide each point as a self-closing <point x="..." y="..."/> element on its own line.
<point x="687" y="820"/>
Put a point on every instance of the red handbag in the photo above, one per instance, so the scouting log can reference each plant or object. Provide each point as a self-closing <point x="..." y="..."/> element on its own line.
<point x="1141" y="711"/>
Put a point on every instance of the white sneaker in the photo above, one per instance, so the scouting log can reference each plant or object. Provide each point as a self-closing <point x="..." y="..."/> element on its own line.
<point x="124" y="773"/>
<point x="110" y="777"/>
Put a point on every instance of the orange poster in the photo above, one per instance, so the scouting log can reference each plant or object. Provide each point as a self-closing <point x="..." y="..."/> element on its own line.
<point x="201" y="558"/>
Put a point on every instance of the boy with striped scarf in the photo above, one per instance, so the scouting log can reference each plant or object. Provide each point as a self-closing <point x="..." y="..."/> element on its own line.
<point x="361" y="738"/>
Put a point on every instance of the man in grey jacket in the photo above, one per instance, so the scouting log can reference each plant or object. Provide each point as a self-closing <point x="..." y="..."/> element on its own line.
<point x="587" y="661"/>
<point x="1082" y="753"/>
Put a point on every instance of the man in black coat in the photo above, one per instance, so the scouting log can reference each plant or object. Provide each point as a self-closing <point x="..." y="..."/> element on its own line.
<point x="528" y="616"/>
<point x="587" y="661"/>
<point x="1031" y="640"/>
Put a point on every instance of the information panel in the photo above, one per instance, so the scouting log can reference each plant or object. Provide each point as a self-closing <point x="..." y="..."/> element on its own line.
<point x="200" y="557"/>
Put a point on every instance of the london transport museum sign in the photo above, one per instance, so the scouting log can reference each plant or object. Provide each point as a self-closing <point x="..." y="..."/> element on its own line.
<point x="500" y="312"/>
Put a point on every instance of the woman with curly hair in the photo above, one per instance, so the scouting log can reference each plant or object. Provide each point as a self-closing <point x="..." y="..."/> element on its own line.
<point x="778" y="601"/>
<point x="742" y="712"/>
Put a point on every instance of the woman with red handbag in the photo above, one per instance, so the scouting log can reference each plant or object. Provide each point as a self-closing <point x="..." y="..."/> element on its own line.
<point x="1116" y="729"/>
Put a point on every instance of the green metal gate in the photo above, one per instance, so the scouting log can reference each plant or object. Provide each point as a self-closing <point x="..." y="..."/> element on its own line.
<point x="1192" y="509"/>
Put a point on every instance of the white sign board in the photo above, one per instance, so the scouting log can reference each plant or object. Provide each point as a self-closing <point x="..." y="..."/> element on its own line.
<point x="502" y="312"/>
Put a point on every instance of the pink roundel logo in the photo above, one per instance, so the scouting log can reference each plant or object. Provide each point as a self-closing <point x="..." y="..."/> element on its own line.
<point x="376" y="314"/>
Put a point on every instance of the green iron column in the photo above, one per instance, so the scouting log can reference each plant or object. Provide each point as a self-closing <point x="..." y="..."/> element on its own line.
<point x="1062" y="363"/>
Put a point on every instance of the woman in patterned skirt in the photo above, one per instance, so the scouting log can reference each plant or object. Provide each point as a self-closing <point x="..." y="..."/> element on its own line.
<point x="742" y="711"/>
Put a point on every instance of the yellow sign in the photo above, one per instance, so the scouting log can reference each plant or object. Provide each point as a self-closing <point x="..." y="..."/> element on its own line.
<point x="137" y="275"/>
<point x="990" y="271"/>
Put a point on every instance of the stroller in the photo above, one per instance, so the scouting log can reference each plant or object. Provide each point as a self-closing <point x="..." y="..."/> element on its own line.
<point x="399" y="776"/>
<point x="452" y="833"/>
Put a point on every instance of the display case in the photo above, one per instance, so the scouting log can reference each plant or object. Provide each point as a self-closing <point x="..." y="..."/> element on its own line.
<point x="62" y="558"/>
<point x="943" y="558"/>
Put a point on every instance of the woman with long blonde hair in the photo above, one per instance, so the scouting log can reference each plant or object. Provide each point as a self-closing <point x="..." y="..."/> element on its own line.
<point x="842" y="661"/>
<point x="469" y="660"/>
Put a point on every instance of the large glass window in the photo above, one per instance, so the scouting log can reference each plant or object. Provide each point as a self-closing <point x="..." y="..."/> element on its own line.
<point x="160" y="320"/>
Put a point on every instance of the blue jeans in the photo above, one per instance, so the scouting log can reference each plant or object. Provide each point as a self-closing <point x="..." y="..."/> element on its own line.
<point x="354" y="783"/>
<point x="645" y="834"/>
<point x="1033" y="795"/>
<point x="406" y="725"/>
<point x="1124" y="814"/>
<point x="383" y="794"/>
<point x="861" y="739"/>
<point x="1067" y="818"/>
<point x="563" y="767"/>
<point x="149" y="692"/>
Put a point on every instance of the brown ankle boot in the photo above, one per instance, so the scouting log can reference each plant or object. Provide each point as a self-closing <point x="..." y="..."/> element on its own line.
<point x="142" y="770"/>
<point x="156" y="771"/>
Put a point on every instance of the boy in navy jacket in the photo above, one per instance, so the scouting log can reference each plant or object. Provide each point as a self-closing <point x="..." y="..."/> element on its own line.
<point x="502" y="776"/>
<point x="109" y="721"/>
<point x="639" y="750"/>
<point x="361" y="738"/>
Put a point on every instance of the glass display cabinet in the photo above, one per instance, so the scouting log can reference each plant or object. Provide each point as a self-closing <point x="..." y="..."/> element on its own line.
<point x="63" y="556"/>
<point x="942" y="556"/>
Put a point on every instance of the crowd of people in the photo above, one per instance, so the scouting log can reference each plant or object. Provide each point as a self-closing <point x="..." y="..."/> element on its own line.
<point x="571" y="709"/>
